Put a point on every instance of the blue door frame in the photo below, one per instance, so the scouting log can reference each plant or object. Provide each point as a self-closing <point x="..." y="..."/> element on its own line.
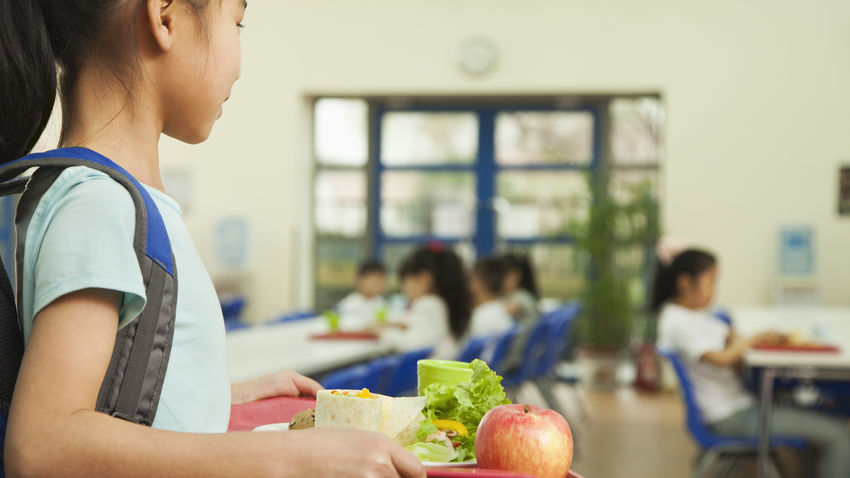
<point x="485" y="170"/>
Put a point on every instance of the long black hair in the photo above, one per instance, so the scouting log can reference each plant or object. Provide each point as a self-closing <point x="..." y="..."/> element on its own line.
<point x="38" y="35"/>
<point x="27" y="76"/>
<point x="691" y="262"/>
<point x="491" y="272"/>
<point x="450" y="283"/>
<point x="522" y="264"/>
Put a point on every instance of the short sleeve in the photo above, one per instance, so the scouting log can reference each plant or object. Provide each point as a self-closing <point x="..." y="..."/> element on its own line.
<point x="80" y="237"/>
<point x="691" y="334"/>
<point x="693" y="345"/>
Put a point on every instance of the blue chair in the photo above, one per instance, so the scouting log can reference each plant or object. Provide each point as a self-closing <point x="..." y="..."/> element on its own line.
<point x="402" y="380"/>
<point x="294" y="316"/>
<point x="501" y="350"/>
<point x="533" y="350"/>
<point x="232" y="306"/>
<point x="723" y="452"/>
<point x="560" y="323"/>
<point x="372" y="375"/>
<point x="546" y="345"/>
<point x="723" y="315"/>
<point x="234" y="324"/>
<point x="231" y="310"/>
<point x="348" y="378"/>
<point x="381" y="370"/>
<point x="473" y="349"/>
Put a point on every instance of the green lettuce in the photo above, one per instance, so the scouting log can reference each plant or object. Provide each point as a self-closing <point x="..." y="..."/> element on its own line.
<point x="433" y="451"/>
<point x="466" y="403"/>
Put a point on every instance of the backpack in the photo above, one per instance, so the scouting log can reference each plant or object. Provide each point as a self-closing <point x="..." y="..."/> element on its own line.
<point x="133" y="382"/>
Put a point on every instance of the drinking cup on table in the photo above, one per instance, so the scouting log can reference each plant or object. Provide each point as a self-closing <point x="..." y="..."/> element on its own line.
<point x="449" y="372"/>
<point x="332" y="318"/>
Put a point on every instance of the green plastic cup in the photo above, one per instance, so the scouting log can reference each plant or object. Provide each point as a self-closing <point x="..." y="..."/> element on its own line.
<point x="332" y="318"/>
<point x="449" y="372"/>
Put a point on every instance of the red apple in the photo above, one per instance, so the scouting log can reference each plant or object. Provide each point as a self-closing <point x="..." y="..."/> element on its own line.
<point x="526" y="439"/>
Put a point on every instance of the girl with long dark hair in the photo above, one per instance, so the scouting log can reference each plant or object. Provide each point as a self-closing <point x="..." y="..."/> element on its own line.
<point x="434" y="281"/>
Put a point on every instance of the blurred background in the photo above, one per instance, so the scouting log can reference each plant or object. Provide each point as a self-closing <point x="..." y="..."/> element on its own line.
<point x="578" y="133"/>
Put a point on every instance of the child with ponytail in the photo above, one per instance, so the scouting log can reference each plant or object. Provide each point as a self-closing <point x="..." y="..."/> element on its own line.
<point x="434" y="281"/>
<point x="710" y="350"/>
<point x="128" y="72"/>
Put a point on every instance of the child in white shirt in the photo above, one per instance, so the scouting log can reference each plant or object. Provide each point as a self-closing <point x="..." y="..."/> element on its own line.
<point x="363" y="306"/>
<point x="434" y="281"/>
<point x="710" y="350"/>
<point x="519" y="289"/>
<point x="489" y="317"/>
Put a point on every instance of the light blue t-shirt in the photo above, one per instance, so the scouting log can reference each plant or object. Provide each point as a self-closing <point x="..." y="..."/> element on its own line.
<point x="81" y="236"/>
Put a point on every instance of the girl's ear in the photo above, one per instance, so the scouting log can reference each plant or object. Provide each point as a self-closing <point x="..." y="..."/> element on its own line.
<point x="161" y="22"/>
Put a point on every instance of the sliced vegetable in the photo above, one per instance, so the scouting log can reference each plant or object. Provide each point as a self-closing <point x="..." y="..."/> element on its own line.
<point x="451" y="425"/>
<point x="433" y="451"/>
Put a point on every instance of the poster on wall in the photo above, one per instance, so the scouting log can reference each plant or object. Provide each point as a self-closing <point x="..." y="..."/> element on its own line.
<point x="844" y="191"/>
<point x="797" y="254"/>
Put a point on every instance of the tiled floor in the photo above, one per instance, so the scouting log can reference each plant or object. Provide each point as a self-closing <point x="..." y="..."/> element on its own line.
<point x="628" y="434"/>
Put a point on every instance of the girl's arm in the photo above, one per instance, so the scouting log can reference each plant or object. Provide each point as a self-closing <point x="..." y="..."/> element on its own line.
<point x="736" y="347"/>
<point x="286" y="383"/>
<point x="55" y="432"/>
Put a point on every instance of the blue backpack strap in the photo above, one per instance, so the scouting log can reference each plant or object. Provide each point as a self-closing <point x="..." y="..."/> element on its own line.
<point x="133" y="382"/>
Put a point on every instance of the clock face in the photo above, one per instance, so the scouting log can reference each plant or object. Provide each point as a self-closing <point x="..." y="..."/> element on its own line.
<point x="478" y="56"/>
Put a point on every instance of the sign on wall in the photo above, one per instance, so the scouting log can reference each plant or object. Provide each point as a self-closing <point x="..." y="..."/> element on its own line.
<point x="797" y="251"/>
<point x="844" y="191"/>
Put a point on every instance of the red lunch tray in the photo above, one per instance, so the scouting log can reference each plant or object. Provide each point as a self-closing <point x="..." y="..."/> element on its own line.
<point x="248" y="416"/>
<point x="345" y="336"/>
<point x="796" y="348"/>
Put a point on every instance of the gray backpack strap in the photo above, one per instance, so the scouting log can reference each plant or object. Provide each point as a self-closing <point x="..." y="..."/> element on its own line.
<point x="133" y="382"/>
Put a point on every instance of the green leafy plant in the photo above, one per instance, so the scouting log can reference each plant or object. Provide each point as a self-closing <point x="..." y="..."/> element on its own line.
<point x="612" y="244"/>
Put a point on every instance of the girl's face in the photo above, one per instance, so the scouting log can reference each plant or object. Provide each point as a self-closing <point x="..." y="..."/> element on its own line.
<point x="203" y="65"/>
<point x="698" y="292"/>
<point x="414" y="286"/>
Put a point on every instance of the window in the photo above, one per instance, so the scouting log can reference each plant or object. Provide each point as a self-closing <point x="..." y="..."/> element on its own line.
<point x="339" y="195"/>
<point x="480" y="176"/>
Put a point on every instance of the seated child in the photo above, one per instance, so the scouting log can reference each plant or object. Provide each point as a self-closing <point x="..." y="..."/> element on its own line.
<point x="434" y="282"/>
<point x="711" y="350"/>
<point x="519" y="289"/>
<point x="362" y="307"/>
<point x="489" y="317"/>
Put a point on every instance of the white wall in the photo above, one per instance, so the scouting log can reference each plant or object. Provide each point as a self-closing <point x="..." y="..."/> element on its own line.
<point x="757" y="93"/>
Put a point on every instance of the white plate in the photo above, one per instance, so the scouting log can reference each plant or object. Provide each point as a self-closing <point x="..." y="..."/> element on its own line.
<point x="273" y="427"/>
<point x="442" y="464"/>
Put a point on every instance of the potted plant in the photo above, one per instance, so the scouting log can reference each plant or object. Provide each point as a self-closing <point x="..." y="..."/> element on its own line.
<point x="612" y="244"/>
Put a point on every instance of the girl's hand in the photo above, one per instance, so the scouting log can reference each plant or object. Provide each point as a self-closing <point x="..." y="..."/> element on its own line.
<point x="344" y="453"/>
<point x="770" y="337"/>
<point x="285" y="383"/>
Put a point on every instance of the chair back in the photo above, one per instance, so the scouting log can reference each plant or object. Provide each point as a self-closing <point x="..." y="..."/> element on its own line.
<point x="559" y="331"/>
<point x="695" y="423"/>
<point x="533" y="352"/>
<point x="403" y="379"/>
<point x="501" y="350"/>
<point x="231" y="306"/>
<point x="352" y="377"/>
<point x="473" y="348"/>
<point x="294" y="316"/>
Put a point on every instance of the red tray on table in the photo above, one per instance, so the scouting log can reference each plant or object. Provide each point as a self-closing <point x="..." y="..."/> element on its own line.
<point x="799" y="348"/>
<point x="345" y="336"/>
<point x="247" y="416"/>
